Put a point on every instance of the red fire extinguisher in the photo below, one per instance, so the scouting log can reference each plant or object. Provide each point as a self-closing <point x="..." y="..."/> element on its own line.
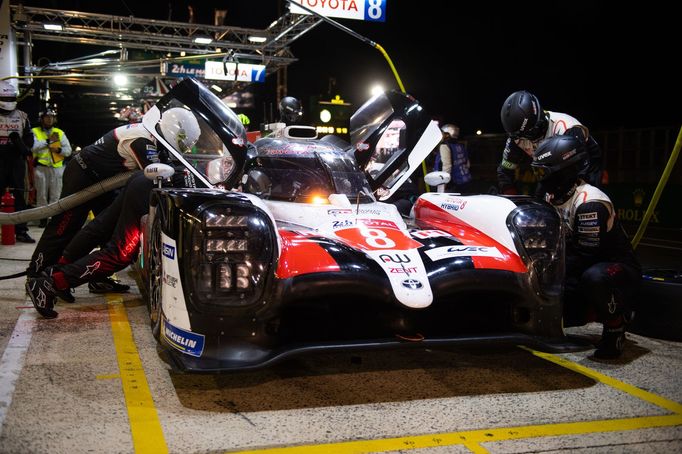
<point x="8" y="237"/>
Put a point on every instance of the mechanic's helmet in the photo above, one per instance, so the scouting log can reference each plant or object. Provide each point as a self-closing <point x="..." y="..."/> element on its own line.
<point x="257" y="183"/>
<point x="290" y="109"/>
<point x="557" y="163"/>
<point x="451" y="130"/>
<point x="180" y="128"/>
<point x="49" y="114"/>
<point x="522" y="116"/>
<point x="8" y="97"/>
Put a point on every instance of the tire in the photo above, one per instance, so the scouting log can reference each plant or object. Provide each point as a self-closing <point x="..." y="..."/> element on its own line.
<point x="658" y="308"/>
<point x="155" y="279"/>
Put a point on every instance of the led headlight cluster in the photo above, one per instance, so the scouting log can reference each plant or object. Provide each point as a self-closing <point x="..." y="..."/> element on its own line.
<point x="232" y="249"/>
<point x="536" y="230"/>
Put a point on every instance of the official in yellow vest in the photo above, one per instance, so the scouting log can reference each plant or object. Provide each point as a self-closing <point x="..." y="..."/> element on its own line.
<point x="50" y="147"/>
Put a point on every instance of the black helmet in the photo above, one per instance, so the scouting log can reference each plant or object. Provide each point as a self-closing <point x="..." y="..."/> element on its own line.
<point x="290" y="109"/>
<point x="557" y="163"/>
<point x="522" y="116"/>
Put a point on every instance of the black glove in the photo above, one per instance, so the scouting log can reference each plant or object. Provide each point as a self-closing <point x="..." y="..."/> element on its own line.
<point x="20" y="147"/>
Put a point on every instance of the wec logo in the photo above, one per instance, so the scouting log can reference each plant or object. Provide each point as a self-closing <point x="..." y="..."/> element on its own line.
<point x="468" y="249"/>
<point x="463" y="250"/>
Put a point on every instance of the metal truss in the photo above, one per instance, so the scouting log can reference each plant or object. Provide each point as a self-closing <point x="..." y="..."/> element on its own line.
<point x="165" y="36"/>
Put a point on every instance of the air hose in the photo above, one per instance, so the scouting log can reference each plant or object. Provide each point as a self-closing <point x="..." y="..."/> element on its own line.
<point x="67" y="203"/>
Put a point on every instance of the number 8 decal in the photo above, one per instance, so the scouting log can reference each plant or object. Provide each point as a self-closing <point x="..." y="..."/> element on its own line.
<point x="377" y="238"/>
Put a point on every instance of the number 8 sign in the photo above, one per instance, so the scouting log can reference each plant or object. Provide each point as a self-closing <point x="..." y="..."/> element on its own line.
<point x="368" y="10"/>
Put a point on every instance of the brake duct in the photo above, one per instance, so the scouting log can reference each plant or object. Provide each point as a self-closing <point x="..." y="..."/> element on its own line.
<point x="67" y="203"/>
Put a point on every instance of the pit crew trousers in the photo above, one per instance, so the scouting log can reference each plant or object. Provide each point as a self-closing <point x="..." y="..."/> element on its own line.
<point x="48" y="182"/>
<point x="63" y="227"/>
<point x="12" y="172"/>
<point x="607" y="288"/>
<point x="120" y="251"/>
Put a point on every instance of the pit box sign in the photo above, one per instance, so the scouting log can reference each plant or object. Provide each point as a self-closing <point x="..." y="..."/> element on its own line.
<point x="367" y="10"/>
<point x="244" y="72"/>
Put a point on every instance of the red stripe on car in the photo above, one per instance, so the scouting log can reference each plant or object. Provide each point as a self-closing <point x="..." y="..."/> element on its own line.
<point x="469" y="235"/>
<point x="302" y="255"/>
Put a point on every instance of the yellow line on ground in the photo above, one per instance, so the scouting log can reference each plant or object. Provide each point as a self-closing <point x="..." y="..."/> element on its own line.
<point x="472" y="438"/>
<point x="610" y="381"/>
<point x="108" y="376"/>
<point x="145" y="426"/>
<point x="476" y="448"/>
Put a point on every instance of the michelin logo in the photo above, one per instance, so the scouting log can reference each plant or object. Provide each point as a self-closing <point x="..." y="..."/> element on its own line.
<point x="185" y="341"/>
<point x="169" y="251"/>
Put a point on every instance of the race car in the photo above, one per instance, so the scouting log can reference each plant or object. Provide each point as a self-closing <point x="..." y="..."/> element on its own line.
<point x="290" y="248"/>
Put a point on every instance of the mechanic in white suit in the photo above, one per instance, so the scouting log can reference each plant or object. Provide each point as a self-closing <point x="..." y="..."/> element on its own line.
<point x="602" y="271"/>
<point x="526" y="124"/>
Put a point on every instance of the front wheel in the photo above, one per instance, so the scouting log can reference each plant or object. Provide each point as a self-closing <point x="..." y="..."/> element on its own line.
<point x="155" y="278"/>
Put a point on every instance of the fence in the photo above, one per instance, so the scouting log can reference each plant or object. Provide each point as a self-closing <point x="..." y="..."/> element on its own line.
<point x="634" y="160"/>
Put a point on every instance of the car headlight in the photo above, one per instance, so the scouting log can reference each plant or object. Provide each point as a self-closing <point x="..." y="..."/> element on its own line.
<point x="232" y="251"/>
<point x="536" y="229"/>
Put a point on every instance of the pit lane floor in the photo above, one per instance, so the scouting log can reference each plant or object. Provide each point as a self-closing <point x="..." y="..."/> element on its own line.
<point x="93" y="380"/>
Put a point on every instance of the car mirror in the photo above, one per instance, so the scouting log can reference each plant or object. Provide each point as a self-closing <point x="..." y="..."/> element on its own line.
<point x="158" y="172"/>
<point x="436" y="178"/>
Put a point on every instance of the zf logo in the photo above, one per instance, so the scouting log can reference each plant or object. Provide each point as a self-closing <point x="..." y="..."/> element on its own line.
<point x="169" y="251"/>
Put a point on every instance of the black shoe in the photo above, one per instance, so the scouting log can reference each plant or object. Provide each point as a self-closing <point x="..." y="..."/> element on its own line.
<point x="42" y="292"/>
<point x="65" y="295"/>
<point x="611" y="344"/>
<point x="24" y="237"/>
<point x="107" y="285"/>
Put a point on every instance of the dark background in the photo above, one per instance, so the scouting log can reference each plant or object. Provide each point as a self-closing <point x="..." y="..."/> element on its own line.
<point x="607" y="65"/>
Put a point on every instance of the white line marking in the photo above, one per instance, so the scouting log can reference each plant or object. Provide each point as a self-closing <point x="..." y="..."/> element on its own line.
<point x="13" y="359"/>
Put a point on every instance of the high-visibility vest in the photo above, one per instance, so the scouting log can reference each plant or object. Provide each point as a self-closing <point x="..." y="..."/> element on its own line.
<point x="45" y="155"/>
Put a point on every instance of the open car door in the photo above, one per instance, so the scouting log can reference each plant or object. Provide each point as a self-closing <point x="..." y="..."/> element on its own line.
<point x="217" y="158"/>
<point x="391" y="135"/>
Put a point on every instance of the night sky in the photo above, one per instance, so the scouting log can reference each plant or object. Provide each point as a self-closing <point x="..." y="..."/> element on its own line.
<point x="610" y="67"/>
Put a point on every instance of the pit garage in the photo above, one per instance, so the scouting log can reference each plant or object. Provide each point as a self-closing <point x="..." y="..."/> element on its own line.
<point x="97" y="380"/>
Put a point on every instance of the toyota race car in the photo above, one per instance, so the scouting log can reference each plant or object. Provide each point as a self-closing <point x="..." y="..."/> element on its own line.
<point x="289" y="248"/>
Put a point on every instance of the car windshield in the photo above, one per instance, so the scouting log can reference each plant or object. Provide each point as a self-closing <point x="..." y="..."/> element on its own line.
<point x="369" y="117"/>
<point x="209" y="153"/>
<point x="302" y="179"/>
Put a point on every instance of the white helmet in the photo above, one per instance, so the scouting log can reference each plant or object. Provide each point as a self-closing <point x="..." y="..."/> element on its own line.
<point x="8" y="96"/>
<point x="451" y="130"/>
<point x="180" y="128"/>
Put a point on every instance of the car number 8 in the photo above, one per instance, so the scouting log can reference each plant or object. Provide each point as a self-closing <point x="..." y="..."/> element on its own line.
<point x="377" y="238"/>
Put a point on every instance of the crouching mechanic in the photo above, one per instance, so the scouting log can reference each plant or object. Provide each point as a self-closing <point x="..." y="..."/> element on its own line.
<point x="132" y="203"/>
<point x="602" y="271"/>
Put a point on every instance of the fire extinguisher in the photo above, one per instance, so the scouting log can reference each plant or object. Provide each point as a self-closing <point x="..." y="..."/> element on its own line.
<point x="8" y="237"/>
